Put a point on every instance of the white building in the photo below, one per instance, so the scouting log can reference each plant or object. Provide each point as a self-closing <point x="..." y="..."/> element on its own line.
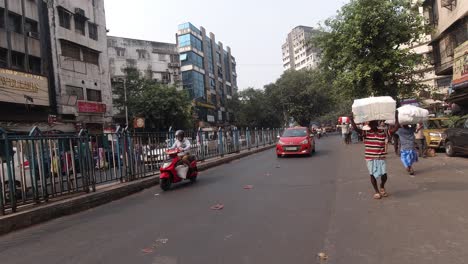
<point x="298" y="53"/>
<point x="154" y="60"/>
<point x="79" y="53"/>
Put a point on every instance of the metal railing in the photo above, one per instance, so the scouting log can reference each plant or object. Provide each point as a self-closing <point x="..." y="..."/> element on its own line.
<point x="38" y="166"/>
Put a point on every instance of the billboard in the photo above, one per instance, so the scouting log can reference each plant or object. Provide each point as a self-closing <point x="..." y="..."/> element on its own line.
<point x="20" y="88"/>
<point x="460" y="66"/>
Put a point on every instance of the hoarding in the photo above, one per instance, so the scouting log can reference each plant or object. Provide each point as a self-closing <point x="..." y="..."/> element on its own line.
<point x="23" y="88"/>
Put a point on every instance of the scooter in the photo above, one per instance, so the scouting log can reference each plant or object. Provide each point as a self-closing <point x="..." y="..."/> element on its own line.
<point x="174" y="170"/>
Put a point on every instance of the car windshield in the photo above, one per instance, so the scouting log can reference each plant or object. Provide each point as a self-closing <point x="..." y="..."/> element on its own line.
<point x="295" y="133"/>
<point x="439" y="123"/>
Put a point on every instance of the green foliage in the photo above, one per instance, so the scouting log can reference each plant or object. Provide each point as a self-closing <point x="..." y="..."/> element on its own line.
<point x="365" y="48"/>
<point x="254" y="109"/>
<point x="161" y="105"/>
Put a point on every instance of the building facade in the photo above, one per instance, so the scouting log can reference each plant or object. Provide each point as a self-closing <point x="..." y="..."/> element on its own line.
<point x="79" y="53"/>
<point x="26" y="84"/>
<point x="208" y="74"/>
<point x="154" y="60"/>
<point x="298" y="53"/>
<point x="449" y="19"/>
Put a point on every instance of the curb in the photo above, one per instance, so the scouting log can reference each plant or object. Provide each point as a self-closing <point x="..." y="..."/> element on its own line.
<point x="83" y="202"/>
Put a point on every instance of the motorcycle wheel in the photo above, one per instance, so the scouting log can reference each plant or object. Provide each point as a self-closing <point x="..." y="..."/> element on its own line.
<point x="165" y="184"/>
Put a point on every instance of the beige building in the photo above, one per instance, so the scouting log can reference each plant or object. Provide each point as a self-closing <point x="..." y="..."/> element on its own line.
<point x="79" y="52"/>
<point x="450" y="21"/>
<point x="297" y="52"/>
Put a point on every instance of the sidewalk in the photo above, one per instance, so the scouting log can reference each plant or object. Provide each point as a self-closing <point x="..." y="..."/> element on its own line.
<point x="30" y="215"/>
<point x="424" y="220"/>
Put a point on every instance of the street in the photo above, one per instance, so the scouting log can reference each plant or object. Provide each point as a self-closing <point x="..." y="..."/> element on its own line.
<point x="296" y="208"/>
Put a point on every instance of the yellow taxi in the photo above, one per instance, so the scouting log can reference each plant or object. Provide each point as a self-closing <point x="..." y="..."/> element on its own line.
<point x="434" y="129"/>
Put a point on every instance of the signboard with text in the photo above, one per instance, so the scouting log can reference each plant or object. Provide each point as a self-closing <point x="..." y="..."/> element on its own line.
<point x="20" y="88"/>
<point x="91" y="107"/>
<point x="460" y="66"/>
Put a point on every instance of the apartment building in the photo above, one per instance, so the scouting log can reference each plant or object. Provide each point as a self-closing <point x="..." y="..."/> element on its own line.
<point x="450" y="21"/>
<point x="208" y="74"/>
<point x="26" y="84"/>
<point x="79" y="53"/>
<point x="154" y="60"/>
<point x="298" y="53"/>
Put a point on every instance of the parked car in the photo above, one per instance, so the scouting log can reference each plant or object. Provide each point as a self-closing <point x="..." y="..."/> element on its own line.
<point x="434" y="130"/>
<point x="295" y="141"/>
<point x="456" y="138"/>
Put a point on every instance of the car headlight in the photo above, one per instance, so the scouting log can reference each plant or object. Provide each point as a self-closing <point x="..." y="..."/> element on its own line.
<point x="432" y="134"/>
<point x="305" y="141"/>
<point x="166" y="164"/>
<point x="280" y="142"/>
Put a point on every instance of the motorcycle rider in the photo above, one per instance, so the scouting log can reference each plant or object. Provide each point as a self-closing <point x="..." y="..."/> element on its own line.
<point x="184" y="144"/>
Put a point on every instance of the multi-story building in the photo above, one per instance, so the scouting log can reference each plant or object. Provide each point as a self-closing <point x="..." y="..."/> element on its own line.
<point x="208" y="74"/>
<point x="26" y="84"/>
<point x="450" y="21"/>
<point x="79" y="53"/>
<point x="298" y="53"/>
<point x="154" y="60"/>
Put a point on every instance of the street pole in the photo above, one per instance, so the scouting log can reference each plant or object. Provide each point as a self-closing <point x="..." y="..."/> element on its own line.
<point x="125" y="97"/>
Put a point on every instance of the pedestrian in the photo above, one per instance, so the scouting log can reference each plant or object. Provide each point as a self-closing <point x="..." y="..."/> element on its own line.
<point x="374" y="141"/>
<point x="408" y="153"/>
<point x="345" y="132"/>
<point x="420" y="140"/>
<point x="396" y="140"/>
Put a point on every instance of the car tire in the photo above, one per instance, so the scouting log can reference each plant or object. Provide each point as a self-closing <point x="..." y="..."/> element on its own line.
<point x="193" y="179"/>
<point x="165" y="184"/>
<point x="449" y="149"/>
<point x="313" y="150"/>
<point x="278" y="156"/>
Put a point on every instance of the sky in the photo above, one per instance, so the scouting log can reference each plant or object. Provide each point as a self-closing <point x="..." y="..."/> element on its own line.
<point x="254" y="29"/>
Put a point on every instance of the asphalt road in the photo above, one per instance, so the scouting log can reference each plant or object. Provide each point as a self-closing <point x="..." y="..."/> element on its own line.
<point x="297" y="208"/>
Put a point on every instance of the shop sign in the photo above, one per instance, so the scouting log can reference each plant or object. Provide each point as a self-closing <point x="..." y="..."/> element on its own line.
<point x="460" y="66"/>
<point x="91" y="107"/>
<point x="20" y="88"/>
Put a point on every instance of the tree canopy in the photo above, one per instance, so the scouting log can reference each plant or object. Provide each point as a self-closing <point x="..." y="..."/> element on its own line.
<point x="161" y="105"/>
<point x="366" y="47"/>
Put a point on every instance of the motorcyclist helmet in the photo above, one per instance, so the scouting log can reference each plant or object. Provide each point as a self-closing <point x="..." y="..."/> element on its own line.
<point x="180" y="134"/>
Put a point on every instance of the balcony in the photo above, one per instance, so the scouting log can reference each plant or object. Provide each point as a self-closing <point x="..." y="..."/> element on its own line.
<point x="174" y="64"/>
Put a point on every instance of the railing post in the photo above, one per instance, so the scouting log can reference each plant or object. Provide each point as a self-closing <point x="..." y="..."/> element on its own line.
<point x="171" y="136"/>
<point x="201" y="143"/>
<point x="256" y="137"/>
<point x="236" y="140"/>
<point x="220" y="142"/>
<point x="247" y="137"/>
<point x="268" y="136"/>
<point x="2" y="203"/>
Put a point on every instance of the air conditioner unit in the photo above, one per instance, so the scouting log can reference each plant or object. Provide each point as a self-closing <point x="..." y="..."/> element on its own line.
<point x="33" y="34"/>
<point x="80" y="12"/>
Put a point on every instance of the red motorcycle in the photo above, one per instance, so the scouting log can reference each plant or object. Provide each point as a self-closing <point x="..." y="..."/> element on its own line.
<point x="174" y="168"/>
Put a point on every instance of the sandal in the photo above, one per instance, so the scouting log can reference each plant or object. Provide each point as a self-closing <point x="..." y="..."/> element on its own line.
<point x="377" y="196"/>
<point x="383" y="193"/>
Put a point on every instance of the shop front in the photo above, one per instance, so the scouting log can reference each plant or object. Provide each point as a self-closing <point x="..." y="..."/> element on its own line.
<point x="459" y="95"/>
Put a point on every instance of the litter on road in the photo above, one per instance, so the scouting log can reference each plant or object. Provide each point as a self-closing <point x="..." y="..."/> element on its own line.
<point x="217" y="207"/>
<point x="248" y="187"/>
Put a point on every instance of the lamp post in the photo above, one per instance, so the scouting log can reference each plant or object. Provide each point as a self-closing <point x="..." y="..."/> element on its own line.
<point x="125" y="98"/>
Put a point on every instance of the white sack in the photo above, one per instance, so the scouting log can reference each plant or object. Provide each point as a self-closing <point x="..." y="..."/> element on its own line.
<point x="374" y="108"/>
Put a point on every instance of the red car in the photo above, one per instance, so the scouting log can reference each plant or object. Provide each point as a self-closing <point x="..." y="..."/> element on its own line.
<point x="295" y="141"/>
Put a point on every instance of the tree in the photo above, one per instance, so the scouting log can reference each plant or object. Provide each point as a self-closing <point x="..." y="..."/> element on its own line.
<point x="255" y="110"/>
<point x="366" y="48"/>
<point x="161" y="105"/>
<point x="302" y="95"/>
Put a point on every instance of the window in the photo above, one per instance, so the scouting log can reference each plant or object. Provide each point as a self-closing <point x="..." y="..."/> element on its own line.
<point x="30" y="26"/>
<point x="192" y="59"/>
<point x="2" y="18"/>
<point x="194" y="82"/>
<point x="142" y="54"/>
<point x="93" y="31"/>
<point x="190" y="40"/>
<point x="162" y="57"/>
<point x="80" y="25"/>
<point x="64" y="18"/>
<point x="70" y="50"/>
<point x="93" y="95"/>
<point x="166" y="77"/>
<point x="14" y="23"/>
<point x="120" y="52"/>
<point x="3" y="57"/>
<point x="17" y="60"/>
<point x="183" y="56"/>
<point x="175" y="58"/>
<point x="76" y="91"/>
<point x="90" y="56"/>
<point x="35" y="64"/>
